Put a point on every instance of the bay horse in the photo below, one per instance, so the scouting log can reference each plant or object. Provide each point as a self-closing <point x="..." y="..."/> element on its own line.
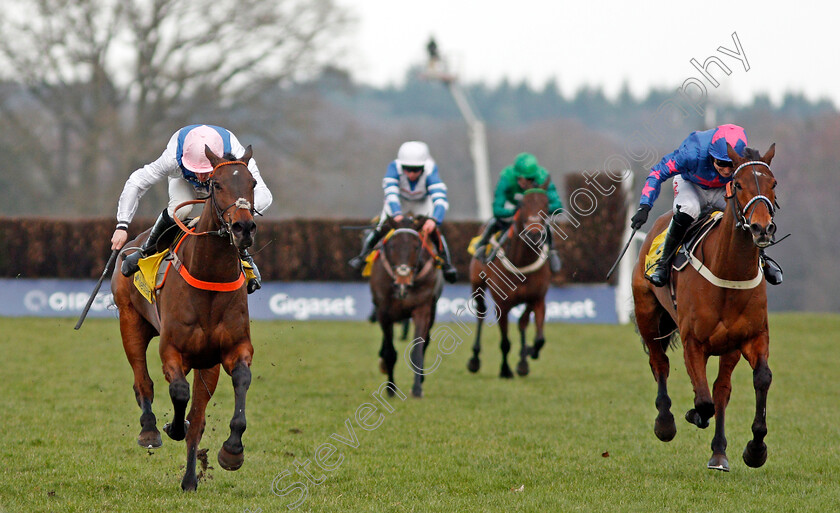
<point x="201" y="315"/>
<point x="518" y="275"/>
<point x="405" y="284"/>
<point x="721" y="309"/>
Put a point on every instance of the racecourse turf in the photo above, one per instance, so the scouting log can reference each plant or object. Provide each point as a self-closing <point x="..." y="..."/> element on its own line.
<point x="575" y="435"/>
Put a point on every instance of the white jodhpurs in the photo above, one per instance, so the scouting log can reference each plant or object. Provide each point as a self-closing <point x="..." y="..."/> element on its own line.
<point x="693" y="200"/>
<point x="180" y="191"/>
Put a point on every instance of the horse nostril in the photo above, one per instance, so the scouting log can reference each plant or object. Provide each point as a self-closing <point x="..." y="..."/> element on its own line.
<point x="755" y="228"/>
<point x="244" y="228"/>
<point x="771" y="229"/>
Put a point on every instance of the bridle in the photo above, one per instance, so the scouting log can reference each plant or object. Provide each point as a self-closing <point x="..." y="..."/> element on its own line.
<point x="403" y="275"/>
<point x="225" y="229"/>
<point x="743" y="216"/>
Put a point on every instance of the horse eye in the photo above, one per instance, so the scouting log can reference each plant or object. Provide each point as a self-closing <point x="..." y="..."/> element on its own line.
<point x="738" y="185"/>
<point x="217" y="186"/>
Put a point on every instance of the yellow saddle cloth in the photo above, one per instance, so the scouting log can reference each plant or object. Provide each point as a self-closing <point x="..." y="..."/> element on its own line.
<point x="494" y="239"/>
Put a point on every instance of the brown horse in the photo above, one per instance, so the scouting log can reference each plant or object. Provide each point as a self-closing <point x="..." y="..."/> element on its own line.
<point x="201" y="315"/>
<point x="721" y="309"/>
<point x="405" y="284"/>
<point x="518" y="275"/>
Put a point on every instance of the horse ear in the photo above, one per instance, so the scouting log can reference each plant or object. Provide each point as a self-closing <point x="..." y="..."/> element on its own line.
<point x="212" y="157"/>
<point x="249" y="152"/>
<point x="769" y="155"/>
<point x="736" y="159"/>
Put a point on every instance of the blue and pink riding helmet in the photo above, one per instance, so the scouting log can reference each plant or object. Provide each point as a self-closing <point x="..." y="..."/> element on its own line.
<point x="732" y="134"/>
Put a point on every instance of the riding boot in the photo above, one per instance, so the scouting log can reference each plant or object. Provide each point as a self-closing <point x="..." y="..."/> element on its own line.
<point x="772" y="270"/>
<point x="130" y="263"/>
<point x="254" y="283"/>
<point x="554" y="262"/>
<point x="481" y="245"/>
<point x="676" y="231"/>
<point x="370" y="241"/>
<point x="450" y="274"/>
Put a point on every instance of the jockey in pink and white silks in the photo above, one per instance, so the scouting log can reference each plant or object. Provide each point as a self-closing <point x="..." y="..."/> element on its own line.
<point x="413" y="186"/>
<point x="701" y="169"/>
<point x="186" y="168"/>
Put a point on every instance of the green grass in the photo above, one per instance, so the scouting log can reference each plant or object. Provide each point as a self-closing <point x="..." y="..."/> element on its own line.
<point x="577" y="433"/>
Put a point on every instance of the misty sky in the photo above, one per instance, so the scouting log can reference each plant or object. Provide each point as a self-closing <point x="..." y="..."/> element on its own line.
<point x="788" y="45"/>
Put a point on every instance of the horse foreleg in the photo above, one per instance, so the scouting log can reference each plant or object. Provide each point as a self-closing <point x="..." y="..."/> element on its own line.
<point x="480" y="312"/>
<point x="136" y="334"/>
<point x="505" y="371"/>
<point x="539" y="322"/>
<point x="522" y="367"/>
<point x="421" y="317"/>
<point x="720" y="392"/>
<point x="204" y="384"/>
<point x="755" y="454"/>
<point x="179" y="392"/>
<point x="695" y="364"/>
<point x="232" y="453"/>
<point x="387" y="353"/>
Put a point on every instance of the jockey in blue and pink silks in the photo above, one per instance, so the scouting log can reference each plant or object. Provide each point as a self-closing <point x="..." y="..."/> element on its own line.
<point x="701" y="169"/>
<point x="186" y="169"/>
<point x="412" y="185"/>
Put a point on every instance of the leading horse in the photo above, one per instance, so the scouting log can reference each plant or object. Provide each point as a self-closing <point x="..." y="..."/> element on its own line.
<point x="406" y="284"/>
<point x="201" y="315"/>
<point x="721" y="309"/>
<point x="518" y="275"/>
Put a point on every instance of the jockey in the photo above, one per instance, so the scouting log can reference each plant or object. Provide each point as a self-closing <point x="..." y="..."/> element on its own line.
<point x="186" y="168"/>
<point x="412" y="185"/>
<point x="701" y="169"/>
<point x="508" y="191"/>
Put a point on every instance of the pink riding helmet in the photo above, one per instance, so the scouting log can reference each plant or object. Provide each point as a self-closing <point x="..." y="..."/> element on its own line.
<point x="194" y="158"/>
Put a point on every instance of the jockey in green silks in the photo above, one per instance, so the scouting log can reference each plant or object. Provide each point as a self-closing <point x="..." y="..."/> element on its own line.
<point x="506" y="200"/>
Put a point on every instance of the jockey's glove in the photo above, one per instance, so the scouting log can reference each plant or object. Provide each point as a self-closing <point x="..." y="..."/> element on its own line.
<point x="640" y="217"/>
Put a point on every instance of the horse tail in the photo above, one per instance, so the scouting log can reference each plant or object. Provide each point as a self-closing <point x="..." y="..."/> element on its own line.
<point x="669" y="335"/>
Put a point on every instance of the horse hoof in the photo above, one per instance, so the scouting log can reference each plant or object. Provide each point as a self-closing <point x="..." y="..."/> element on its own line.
<point x="665" y="428"/>
<point x="382" y="368"/>
<point x="718" y="462"/>
<point x="474" y="364"/>
<point x="230" y="461"/>
<point x="150" y="439"/>
<point x="189" y="485"/>
<point x="755" y="454"/>
<point x="506" y="373"/>
<point x="522" y="368"/>
<point x="176" y="435"/>
<point x="417" y="393"/>
<point x="535" y="350"/>
<point x="694" y="417"/>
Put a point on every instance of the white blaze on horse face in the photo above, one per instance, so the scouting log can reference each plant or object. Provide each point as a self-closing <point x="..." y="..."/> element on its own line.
<point x="243" y="204"/>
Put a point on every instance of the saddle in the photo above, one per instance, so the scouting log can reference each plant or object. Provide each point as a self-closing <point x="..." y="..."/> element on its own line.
<point x="695" y="235"/>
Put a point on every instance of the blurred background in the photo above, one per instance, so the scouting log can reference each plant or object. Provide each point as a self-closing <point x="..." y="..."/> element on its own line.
<point x="327" y="90"/>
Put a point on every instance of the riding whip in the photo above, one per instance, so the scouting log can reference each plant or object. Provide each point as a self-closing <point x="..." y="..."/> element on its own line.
<point x="622" y="253"/>
<point x="110" y="263"/>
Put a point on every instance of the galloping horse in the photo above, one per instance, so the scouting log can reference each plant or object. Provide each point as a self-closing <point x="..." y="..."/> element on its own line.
<point x="405" y="283"/>
<point x="520" y="268"/>
<point x="721" y="309"/>
<point x="201" y="315"/>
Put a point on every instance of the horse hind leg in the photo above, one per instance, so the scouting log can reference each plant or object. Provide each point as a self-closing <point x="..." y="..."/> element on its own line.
<point x="474" y="364"/>
<point x="539" y="322"/>
<point x="650" y="322"/>
<point x="522" y="367"/>
<point x="204" y="385"/>
<point x="136" y="335"/>
<point x="232" y="453"/>
<point x="387" y="353"/>
<point x="505" y="371"/>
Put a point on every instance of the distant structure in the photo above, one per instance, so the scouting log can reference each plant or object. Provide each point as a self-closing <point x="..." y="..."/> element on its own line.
<point x="436" y="69"/>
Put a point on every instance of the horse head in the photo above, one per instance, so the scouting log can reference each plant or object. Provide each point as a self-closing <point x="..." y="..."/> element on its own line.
<point x="404" y="251"/>
<point x="752" y="193"/>
<point x="232" y="195"/>
<point x="533" y="212"/>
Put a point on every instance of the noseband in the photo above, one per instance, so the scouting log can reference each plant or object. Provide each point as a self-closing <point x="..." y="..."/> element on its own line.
<point x="742" y="220"/>
<point x="403" y="275"/>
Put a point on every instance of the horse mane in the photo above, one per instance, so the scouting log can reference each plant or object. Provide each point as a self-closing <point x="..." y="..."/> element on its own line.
<point x="751" y="154"/>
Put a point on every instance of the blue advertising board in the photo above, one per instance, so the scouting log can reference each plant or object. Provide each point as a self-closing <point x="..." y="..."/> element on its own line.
<point x="300" y="301"/>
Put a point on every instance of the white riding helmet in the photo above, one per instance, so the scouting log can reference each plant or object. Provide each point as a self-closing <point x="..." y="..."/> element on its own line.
<point x="413" y="153"/>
